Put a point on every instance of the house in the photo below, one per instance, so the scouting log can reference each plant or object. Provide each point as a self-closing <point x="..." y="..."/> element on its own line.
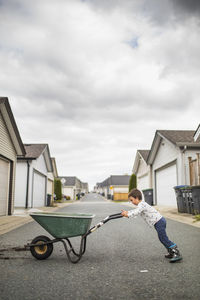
<point x="173" y="160"/>
<point x="84" y="188"/>
<point x="115" y="187"/>
<point x="11" y="146"/>
<point x="34" y="178"/>
<point x="142" y="169"/>
<point x="73" y="186"/>
<point x="54" y="166"/>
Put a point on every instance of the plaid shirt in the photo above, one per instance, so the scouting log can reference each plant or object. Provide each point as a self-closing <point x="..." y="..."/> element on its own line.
<point x="147" y="212"/>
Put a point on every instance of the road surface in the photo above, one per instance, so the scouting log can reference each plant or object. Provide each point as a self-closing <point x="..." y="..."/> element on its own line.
<point x="123" y="260"/>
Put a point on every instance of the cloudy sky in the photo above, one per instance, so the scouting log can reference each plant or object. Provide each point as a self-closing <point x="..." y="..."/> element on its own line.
<point x="96" y="78"/>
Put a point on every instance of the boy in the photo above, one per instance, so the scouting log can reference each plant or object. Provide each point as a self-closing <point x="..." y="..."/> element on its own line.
<point x="153" y="218"/>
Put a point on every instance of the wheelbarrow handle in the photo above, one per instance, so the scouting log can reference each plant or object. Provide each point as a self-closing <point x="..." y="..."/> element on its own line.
<point x="108" y="218"/>
<point x="112" y="217"/>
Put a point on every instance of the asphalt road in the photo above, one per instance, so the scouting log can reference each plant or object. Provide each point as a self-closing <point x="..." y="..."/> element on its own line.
<point x="123" y="260"/>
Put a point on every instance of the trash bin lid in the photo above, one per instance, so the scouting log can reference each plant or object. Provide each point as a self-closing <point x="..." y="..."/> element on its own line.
<point x="181" y="186"/>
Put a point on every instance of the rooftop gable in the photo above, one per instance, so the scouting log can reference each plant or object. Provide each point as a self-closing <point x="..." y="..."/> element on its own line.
<point x="11" y="125"/>
<point x="197" y="134"/>
<point x="179" y="138"/>
<point x="141" y="154"/>
<point x="34" y="151"/>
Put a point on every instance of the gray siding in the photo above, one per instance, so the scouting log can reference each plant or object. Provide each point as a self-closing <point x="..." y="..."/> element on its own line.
<point x="7" y="150"/>
<point x="6" y="146"/>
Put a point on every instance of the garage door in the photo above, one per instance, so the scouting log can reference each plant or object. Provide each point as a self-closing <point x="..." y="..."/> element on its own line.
<point x="39" y="187"/>
<point x="166" y="179"/>
<point x="4" y="186"/>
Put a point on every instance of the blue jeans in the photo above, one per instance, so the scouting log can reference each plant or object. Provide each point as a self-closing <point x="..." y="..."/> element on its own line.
<point x="160" y="227"/>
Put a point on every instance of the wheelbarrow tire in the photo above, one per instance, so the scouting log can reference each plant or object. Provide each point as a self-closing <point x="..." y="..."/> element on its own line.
<point x="43" y="251"/>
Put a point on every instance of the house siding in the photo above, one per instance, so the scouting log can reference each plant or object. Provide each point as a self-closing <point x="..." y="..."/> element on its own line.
<point x="187" y="154"/>
<point x="143" y="175"/>
<point x="21" y="184"/>
<point x="37" y="165"/>
<point x="6" y="146"/>
<point x="167" y="154"/>
<point x="8" y="151"/>
<point x="69" y="191"/>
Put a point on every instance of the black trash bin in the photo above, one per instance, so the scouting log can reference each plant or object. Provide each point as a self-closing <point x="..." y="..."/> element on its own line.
<point x="148" y="196"/>
<point x="187" y="194"/>
<point x="48" y="199"/>
<point x="196" y="199"/>
<point x="181" y="198"/>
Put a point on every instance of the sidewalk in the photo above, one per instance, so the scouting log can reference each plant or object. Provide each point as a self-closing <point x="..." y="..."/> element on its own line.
<point x="21" y="217"/>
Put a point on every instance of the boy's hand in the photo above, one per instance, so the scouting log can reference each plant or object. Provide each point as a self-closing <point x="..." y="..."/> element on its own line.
<point x="124" y="213"/>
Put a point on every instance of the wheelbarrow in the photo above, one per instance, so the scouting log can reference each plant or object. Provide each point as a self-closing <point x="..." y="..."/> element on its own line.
<point x="63" y="227"/>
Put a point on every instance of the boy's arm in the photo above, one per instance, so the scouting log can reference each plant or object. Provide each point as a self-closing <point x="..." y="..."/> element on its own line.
<point x="132" y="213"/>
<point x="124" y="213"/>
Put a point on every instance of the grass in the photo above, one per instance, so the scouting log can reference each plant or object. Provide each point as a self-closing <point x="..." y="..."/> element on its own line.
<point x="197" y="218"/>
<point x="119" y="201"/>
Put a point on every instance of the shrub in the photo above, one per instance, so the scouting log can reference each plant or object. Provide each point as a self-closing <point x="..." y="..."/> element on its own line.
<point x="132" y="182"/>
<point x="58" y="189"/>
<point x="197" y="218"/>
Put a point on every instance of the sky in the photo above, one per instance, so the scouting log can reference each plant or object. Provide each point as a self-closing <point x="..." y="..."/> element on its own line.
<point x="95" y="79"/>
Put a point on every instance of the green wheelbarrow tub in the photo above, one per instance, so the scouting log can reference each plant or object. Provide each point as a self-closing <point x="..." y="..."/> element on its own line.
<point x="61" y="225"/>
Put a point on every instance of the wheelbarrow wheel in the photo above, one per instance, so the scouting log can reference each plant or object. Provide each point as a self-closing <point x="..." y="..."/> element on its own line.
<point x="41" y="251"/>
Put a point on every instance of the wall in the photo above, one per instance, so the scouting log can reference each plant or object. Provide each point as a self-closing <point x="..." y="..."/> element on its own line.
<point x="21" y="184"/>
<point x="7" y="150"/>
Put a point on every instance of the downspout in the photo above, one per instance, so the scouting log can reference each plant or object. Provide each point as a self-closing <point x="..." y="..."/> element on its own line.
<point x="183" y="164"/>
<point x="27" y="184"/>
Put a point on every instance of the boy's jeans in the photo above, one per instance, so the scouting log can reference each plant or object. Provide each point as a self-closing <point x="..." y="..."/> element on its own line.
<point x="160" y="227"/>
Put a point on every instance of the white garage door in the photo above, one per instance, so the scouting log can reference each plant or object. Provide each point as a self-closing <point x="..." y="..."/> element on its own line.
<point x="4" y="186"/>
<point x="39" y="194"/>
<point x="166" y="179"/>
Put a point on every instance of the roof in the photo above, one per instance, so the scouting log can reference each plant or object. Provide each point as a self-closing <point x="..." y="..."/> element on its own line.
<point x="119" y="179"/>
<point x="55" y="171"/>
<point x="69" y="180"/>
<point x="179" y="136"/>
<point x="197" y="133"/>
<point x="74" y="181"/>
<point x="11" y="126"/>
<point x="140" y="154"/>
<point x="33" y="151"/>
<point x="144" y="154"/>
<point x="115" y="180"/>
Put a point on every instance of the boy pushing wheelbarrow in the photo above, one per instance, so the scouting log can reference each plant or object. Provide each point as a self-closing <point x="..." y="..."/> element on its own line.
<point x="152" y="218"/>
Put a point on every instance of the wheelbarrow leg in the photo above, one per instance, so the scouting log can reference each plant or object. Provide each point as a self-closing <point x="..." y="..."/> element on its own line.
<point x="71" y="249"/>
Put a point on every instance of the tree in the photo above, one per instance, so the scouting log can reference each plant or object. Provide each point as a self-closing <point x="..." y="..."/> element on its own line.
<point x="132" y="182"/>
<point x="58" y="189"/>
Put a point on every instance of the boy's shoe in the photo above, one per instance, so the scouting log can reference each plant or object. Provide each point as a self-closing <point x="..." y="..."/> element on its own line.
<point x="170" y="254"/>
<point x="176" y="256"/>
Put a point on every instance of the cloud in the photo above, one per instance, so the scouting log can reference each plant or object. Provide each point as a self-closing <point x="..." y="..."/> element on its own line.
<point x="95" y="79"/>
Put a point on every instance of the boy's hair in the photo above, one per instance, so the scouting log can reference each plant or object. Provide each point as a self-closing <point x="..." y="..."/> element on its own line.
<point x="135" y="193"/>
